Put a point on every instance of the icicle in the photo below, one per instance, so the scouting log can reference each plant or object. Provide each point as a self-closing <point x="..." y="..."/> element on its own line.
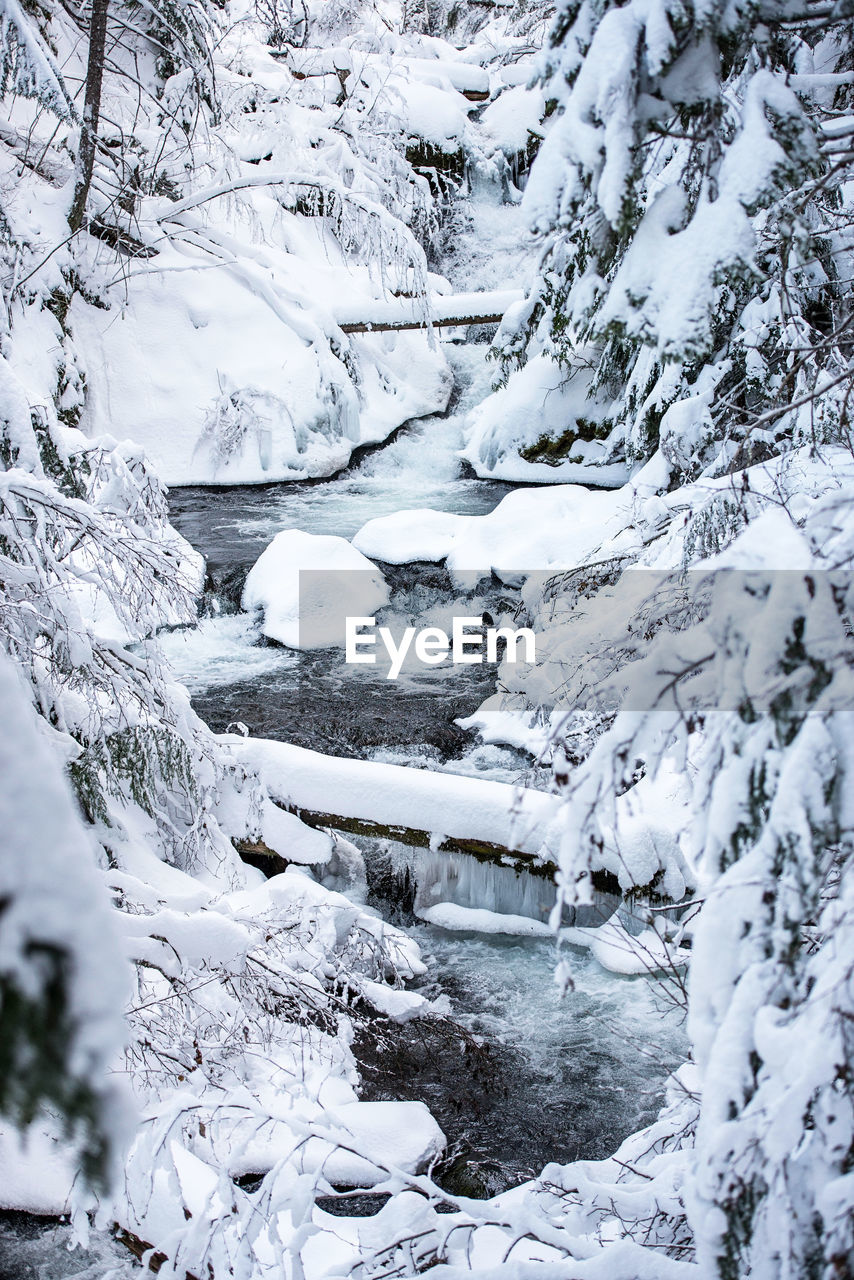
<point x="458" y="878"/>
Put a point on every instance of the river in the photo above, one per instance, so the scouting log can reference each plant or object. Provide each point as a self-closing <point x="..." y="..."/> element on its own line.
<point x="564" y="1077"/>
<point x="554" y="1077"/>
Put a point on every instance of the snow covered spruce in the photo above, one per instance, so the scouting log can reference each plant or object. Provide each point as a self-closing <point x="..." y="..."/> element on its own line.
<point x="241" y="183"/>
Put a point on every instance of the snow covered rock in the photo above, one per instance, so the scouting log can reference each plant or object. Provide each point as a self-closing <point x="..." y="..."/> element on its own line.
<point x="531" y="529"/>
<point x="513" y="119"/>
<point x="405" y="536"/>
<point x="400" y="1005"/>
<point x="386" y="1135"/>
<point x="307" y="584"/>
<point x="433" y="116"/>
<point x="365" y="1140"/>
<point x="449" y="915"/>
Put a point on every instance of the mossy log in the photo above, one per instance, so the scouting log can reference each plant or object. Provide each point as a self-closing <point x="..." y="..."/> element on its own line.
<point x="482" y="850"/>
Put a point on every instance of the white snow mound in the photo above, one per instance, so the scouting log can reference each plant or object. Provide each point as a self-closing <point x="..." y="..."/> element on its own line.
<point x="308" y="584"/>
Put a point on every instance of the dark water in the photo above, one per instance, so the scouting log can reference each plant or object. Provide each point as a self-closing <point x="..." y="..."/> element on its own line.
<point x="316" y="700"/>
<point x="543" y="1077"/>
<point x="39" y="1249"/>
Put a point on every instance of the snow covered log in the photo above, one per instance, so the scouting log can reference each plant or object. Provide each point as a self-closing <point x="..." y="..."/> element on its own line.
<point x="409" y="313"/>
<point x="490" y="821"/>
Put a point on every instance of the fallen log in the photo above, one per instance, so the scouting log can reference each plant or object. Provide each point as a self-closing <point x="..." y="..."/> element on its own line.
<point x="380" y="315"/>
<point x="490" y="821"/>
<point x="385" y="326"/>
<point x="482" y="850"/>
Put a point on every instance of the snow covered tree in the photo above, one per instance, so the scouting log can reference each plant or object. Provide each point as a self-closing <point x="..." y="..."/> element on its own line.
<point x="81" y="533"/>
<point x="692" y="275"/>
<point x="752" y="706"/>
<point x="693" y="202"/>
<point x="178" y="34"/>
<point x="62" y="979"/>
<point x="91" y="111"/>
<point x="27" y="66"/>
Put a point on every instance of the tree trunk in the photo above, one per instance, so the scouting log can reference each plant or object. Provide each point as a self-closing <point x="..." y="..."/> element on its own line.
<point x="483" y="850"/>
<point x="91" y="112"/>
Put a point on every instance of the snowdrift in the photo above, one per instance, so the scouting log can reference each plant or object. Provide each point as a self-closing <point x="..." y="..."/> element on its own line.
<point x="255" y="393"/>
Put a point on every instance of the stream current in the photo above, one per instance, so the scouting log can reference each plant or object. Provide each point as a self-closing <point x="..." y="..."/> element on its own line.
<point x="562" y="1078"/>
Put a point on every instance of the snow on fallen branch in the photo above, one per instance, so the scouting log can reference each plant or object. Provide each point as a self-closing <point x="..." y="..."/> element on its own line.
<point x="442" y="804"/>
<point x="484" y="819"/>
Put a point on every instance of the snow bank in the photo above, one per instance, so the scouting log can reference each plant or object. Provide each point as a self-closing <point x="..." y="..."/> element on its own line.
<point x="304" y="609"/>
<point x="296" y="893"/>
<point x="509" y="719"/>
<point x="539" y="402"/>
<point x="387" y="1136"/>
<point x="442" y="72"/>
<point x="37" y="1170"/>
<point x="610" y="944"/>
<point x="233" y="409"/>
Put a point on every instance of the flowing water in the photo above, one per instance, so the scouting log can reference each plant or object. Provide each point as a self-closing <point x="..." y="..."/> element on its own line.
<point x="574" y="1073"/>
<point x="419" y="468"/>
<point x="235" y="677"/>
<point x="563" y="1077"/>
